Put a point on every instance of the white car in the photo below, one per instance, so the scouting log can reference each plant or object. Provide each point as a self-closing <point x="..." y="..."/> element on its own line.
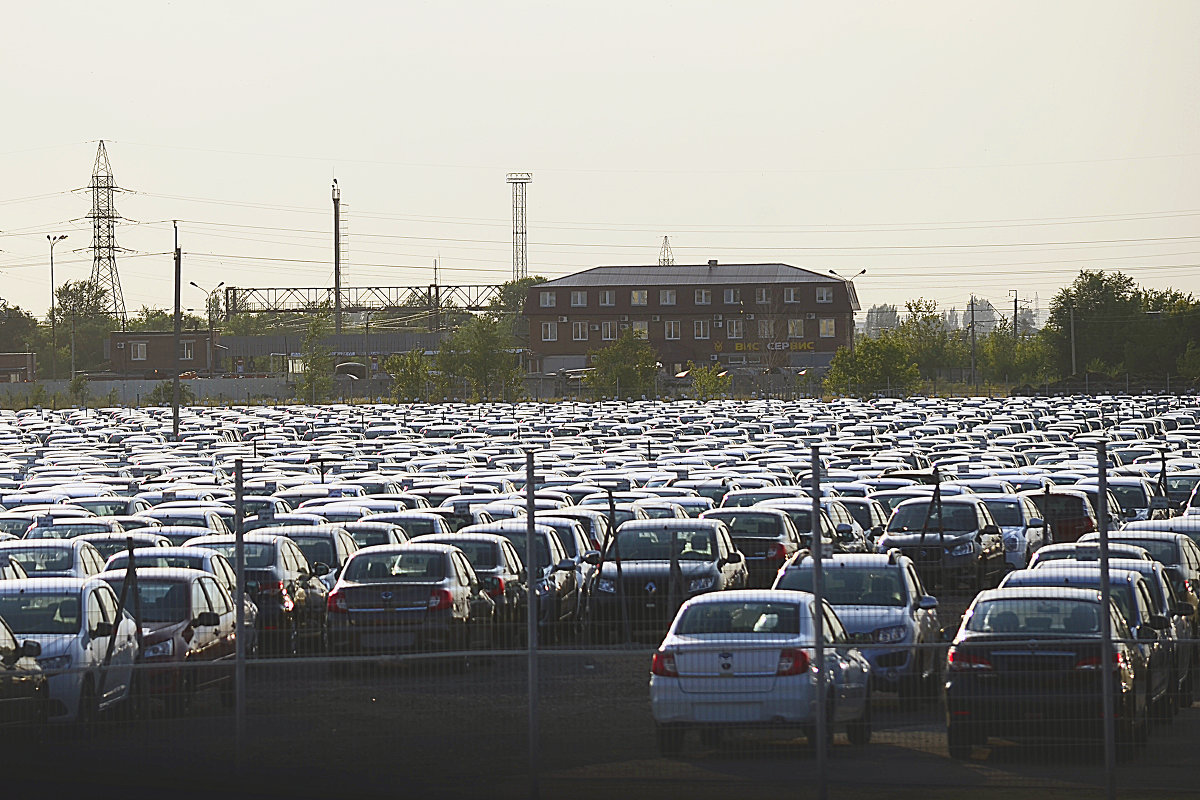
<point x="744" y="659"/>
<point x="75" y="620"/>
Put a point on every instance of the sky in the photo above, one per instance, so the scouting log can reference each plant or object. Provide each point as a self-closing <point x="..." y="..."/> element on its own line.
<point x="947" y="148"/>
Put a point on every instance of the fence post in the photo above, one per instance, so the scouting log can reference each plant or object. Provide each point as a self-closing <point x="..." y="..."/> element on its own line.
<point x="818" y="545"/>
<point x="534" y="613"/>
<point x="1106" y="648"/>
<point x="239" y="603"/>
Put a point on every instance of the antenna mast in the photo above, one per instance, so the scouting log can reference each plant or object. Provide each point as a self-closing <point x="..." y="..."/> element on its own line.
<point x="519" y="181"/>
<point x="104" y="240"/>
<point x="665" y="257"/>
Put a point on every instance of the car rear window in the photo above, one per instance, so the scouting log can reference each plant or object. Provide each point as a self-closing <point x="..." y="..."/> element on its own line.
<point x="1035" y="616"/>
<point x="43" y="559"/>
<point x="389" y="567"/>
<point x="258" y="555"/>
<point x="740" y="617"/>
<point x="764" y="525"/>
<point x="43" y="612"/>
<point x="846" y="586"/>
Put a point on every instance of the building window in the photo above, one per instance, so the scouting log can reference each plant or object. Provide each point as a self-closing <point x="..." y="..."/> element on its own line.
<point x="762" y="295"/>
<point x="671" y="329"/>
<point x="790" y="295"/>
<point x="608" y="331"/>
<point x="666" y="297"/>
<point x="137" y="351"/>
<point x="549" y="331"/>
<point x="735" y="360"/>
<point x="827" y="328"/>
<point x="187" y="350"/>
<point x="795" y="329"/>
<point x="548" y="299"/>
<point x="703" y="297"/>
<point x="608" y="297"/>
<point x="641" y="329"/>
<point x="700" y="329"/>
<point x="734" y="328"/>
<point x="578" y="299"/>
<point x="639" y="297"/>
<point x="579" y="331"/>
<point x="766" y="329"/>
<point x="733" y="296"/>
<point x="824" y="294"/>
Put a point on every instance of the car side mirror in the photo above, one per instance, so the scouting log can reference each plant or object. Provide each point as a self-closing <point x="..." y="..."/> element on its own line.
<point x="1146" y="634"/>
<point x="1158" y="622"/>
<point x="491" y="584"/>
<point x="733" y="558"/>
<point x="206" y="619"/>
<point x="1184" y="610"/>
<point x="876" y="531"/>
<point x="1037" y="522"/>
<point x="31" y="648"/>
<point x="927" y="603"/>
<point x="101" y="629"/>
<point x="523" y="575"/>
<point x="566" y="565"/>
<point x="592" y="557"/>
<point x="991" y="530"/>
<point x="320" y="568"/>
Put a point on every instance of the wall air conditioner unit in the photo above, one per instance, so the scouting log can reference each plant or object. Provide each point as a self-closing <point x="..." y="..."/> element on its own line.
<point x="750" y="316"/>
<point x="595" y="327"/>
<point x="120" y="345"/>
<point x="811" y="315"/>
<point x="562" y="319"/>
<point x="717" y="316"/>
<point x="718" y="324"/>
<point x="656" y="318"/>
<point x="624" y="318"/>
<point x="713" y="357"/>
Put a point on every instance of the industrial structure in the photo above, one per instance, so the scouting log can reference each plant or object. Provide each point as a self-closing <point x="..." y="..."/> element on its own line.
<point x="519" y="181"/>
<point x="104" y="239"/>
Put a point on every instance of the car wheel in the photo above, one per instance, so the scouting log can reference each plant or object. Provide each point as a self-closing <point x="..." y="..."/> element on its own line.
<point x="958" y="742"/>
<point x="858" y="731"/>
<point x="711" y="737"/>
<point x="670" y="740"/>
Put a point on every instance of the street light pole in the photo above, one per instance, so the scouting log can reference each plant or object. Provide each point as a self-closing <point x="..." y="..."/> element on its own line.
<point x="208" y="313"/>
<point x="53" y="334"/>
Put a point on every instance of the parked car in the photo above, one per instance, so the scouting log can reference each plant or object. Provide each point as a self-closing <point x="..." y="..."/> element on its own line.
<point x="496" y="563"/>
<point x="75" y="621"/>
<point x="882" y="602"/>
<point x="1026" y="661"/>
<point x="188" y="633"/>
<point x="1024" y="531"/>
<point x="54" y="558"/>
<point x="409" y="597"/>
<point x="766" y="537"/>
<point x="368" y="534"/>
<point x="743" y="659"/>
<point x="108" y="543"/>
<point x="24" y="689"/>
<point x="1068" y="512"/>
<point x="954" y="541"/>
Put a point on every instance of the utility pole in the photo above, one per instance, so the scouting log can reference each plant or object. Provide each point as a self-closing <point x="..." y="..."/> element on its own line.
<point x="337" y="258"/>
<point x="178" y="326"/>
<point x="974" y="374"/>
<point x="53" y="334"/>
<point x="1073" y="370"/>
<point x="1016" y="334"/>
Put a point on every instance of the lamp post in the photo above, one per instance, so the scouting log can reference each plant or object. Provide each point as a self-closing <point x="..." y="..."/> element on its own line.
<point x="53" y="334"/>
<point x="843" y="278"/>
<point x="208" y="313"/>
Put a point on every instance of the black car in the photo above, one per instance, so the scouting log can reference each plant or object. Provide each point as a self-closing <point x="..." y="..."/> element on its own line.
<point x="328" y="545"/>
<point x="414" y="596"/>
<point x="952" y="540"/>
<point x="289" y="594"/>
<point x="24" y="692"/>
<point x="767" y="537"/>
<point x="1027" y="662"/>
<point x="369" y="534"/>
<point x="652" y="565"/>
<point x="499" y="566"/>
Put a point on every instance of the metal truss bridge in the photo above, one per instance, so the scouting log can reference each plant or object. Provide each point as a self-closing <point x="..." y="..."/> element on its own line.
<point x="431" y="298"/>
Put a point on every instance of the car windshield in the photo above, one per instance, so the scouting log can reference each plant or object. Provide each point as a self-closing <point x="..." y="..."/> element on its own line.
<point x="657" y="545"/>
<point x="740" y="617"/>
<point x="924" y="515"/>
<point x="389" y="567"/>
<point x="1163" y="550"/>
<point x="368" y="538"/>
<point x="543" y="549"/>
<point x="1035" y="616"/>
<point x="43" y="559"/>
<point x="1059" y="506"/>
<point x="15" y="526"/>
<point x="159" y="601"/>
<point x="44" y="612"/>
<point x="851" y="586"/>
<point x="752" y="524"/>
<point x="482" y="555"/>
<point x="68" y="531"/>
<point x="104" y="508"/>
<point x="316" y="549"/>
<point x="1129" y="496"/>
<point x="147" y="560"/>
<point x="258" y="555"/>
<point x="1006" y="512"/>
<point x="861" y="513"/>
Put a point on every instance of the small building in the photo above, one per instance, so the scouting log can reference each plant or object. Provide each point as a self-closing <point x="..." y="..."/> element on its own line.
<point x="757" y="317"/>
<point x="151" y="354"/>
<point x="18" y="367"/>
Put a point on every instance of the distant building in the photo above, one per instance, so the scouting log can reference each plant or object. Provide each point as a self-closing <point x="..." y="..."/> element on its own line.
<point x="753" y="316"/>
<point x="17" y="367"/>
<point x="151" y="354"/>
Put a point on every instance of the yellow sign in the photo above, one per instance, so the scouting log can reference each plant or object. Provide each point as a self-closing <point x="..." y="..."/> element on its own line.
<point x="757" y="347"/>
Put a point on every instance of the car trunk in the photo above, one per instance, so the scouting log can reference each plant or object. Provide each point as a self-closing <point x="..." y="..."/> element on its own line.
<point x="729" y="667"/>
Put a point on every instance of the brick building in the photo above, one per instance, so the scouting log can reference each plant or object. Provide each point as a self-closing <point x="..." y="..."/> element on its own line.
<point x="17" y="367"/>
<point x="752" y="316"/>
<point x="151" y="354"/>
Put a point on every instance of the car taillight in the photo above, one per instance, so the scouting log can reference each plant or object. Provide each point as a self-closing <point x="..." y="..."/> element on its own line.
<point x="1187" y="584"/>
<point x="776" y="552"/>
<point x="792" y="662"/>
<point x="663" y="665"/>
<point x="1089" y="525"/>
<point x="958" y="661"/>
<point x="1093" y="662"/>
<point x="288" y="605"/>
<point x="336" y="603"/>
<point x="440" y="599"/>
<point x="497" y="588"/>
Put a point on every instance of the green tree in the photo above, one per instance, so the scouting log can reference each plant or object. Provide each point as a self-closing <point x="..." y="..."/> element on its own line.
<point x="79" y="390"/>
<point x="709" y="382"/>
<point x="928" y="339"/>
<point x="163" y="394"/>
<point x="411" y="375"/>
<point x="625" y="367"/>
<point x="316" y="382"/>
<point x="81" y="315"/>
<point x="874" y="365"/>
<point x="482" y="354"/>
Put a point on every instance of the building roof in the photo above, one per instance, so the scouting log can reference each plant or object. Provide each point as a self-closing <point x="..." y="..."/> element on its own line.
<point x="695" y="275"/>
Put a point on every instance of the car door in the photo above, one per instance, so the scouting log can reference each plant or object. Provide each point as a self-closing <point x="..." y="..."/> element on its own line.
<point x="846" y="668"/>
<point x="111" y="676"/>
<point x="479" y="605"/>
<point x="18" y="686"/>
<point x="203" y="645"/>
<point x="221" y="603"/>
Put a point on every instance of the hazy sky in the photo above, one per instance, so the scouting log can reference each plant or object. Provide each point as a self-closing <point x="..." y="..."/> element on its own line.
<point x="946" y="147"/>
